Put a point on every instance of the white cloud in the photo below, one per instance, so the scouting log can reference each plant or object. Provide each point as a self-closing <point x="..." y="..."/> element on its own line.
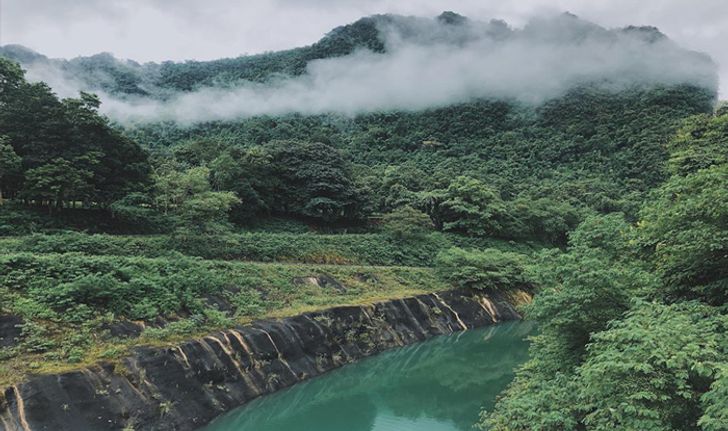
<point x="452" y="66"/>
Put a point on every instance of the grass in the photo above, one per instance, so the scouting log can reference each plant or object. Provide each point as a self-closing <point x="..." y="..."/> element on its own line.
<point x="279" y="295"/>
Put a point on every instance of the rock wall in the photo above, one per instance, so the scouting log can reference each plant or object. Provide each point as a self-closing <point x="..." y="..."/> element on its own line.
<point x="186" y="386"/>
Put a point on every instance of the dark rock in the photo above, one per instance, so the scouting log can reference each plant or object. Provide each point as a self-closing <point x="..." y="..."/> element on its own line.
<point x="186" y="386"/>
<point x="219" y="302"/>
<point x="367" y="278"/>
<point x="10" y="330"/>
<point x="124" y="329"/>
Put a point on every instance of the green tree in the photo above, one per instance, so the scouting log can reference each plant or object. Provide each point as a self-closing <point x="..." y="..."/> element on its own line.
<point x="9" y="164"/>
<point x="247" y="172"/>
<point x="543" y="219"/>
<point x="406" y="223"/>
<point x="57" y="182"/>
<point x="206" y="211"/>
<point x="632" y="319"/>
<point x="172" y="187"/>
<point x="467" y="205"/>
<point x="649" y="370"/>
<point x="315" y="180"/>
<point x="714" y="402"/>
<point x="579" y="293"/>
<point x="684" y="232"/>
<point x="486" y="269"/>
<point x="188" y="196"/>
<point x="699" y="144"/>
<point x="11" y="79"/>
<point x="42" y="129"/>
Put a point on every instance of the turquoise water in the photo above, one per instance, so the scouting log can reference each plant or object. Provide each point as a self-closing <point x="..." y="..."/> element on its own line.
<point x="438" y="385"/>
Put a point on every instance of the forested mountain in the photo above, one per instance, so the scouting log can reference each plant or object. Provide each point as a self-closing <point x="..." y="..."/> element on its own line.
<point x="596" y="145"/>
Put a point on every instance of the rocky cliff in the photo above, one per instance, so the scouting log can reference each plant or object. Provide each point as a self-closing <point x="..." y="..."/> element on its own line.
<point x="185" y="386"/>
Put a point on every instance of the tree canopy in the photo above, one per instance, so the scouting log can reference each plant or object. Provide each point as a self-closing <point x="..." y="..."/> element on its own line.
<point x="68" y="152"/>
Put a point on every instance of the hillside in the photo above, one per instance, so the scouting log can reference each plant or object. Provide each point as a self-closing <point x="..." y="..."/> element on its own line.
<point x="598" y="143"/>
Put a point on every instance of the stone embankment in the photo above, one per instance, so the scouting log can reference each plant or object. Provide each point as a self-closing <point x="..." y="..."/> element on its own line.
<point x="186" y="386"/>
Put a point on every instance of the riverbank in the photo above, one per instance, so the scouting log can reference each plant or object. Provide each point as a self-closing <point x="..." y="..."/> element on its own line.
<point x="183" y="387"/>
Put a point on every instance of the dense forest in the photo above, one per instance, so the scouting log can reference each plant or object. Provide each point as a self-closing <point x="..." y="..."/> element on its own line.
<point x="609" y="204"/>
<point x="633" y="327"/>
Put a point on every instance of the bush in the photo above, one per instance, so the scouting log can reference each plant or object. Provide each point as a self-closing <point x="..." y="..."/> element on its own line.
<point x="486" y="269"/>
<point x="136" y="209"/>
<point x="76" y="287"/>
<point x="406" y="222"/>
<point x="358" y="249"/>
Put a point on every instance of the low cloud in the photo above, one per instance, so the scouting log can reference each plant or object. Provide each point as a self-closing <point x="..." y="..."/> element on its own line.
<point x="431" y="63"/>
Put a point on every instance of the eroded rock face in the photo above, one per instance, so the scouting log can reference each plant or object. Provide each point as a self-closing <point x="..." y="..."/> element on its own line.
<point x="186" y="386"/>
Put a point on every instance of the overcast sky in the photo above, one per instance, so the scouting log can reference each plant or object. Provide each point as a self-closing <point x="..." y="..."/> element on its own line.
<point x="156" y="30"/>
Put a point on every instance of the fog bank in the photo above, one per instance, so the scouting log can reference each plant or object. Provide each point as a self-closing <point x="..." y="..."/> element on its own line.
<point x="432" y="63"/>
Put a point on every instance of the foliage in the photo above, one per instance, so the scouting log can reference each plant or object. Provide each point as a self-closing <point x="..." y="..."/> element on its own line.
<point x="633" y="319"/>
<point x="486" y="269"/>
<point x="589" y="148"/>
<point x="67" y="150"/>
<point x="466" y="205"/>
<point x="544" y="219"/>
<point x="9" y="164"/>
<point x="69" y="301"/>
<point x="181" y="197"/>
<point x="586" y="288"/>
<point x="684" y="229"/>
<point x="406" y="223"/>
<point x="699" y="144"/>
<point x="138" y="210"/>
<point x="57" y="182"/>
<point x="314" y="181"/>
<point x="359" y="249"/>
<point x="714" y="402"/>
<point x="649" y="370"/>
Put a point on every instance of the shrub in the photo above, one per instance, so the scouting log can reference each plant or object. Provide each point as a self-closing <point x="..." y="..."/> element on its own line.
<point x="406" y="222"/>
<point x="486" y="269"/>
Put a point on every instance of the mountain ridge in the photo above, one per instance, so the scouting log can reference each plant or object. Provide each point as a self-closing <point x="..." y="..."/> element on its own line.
<point x="377" y="34"/>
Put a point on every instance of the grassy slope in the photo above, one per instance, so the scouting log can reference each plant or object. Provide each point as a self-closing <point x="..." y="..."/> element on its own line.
<point x="32" y="283"/>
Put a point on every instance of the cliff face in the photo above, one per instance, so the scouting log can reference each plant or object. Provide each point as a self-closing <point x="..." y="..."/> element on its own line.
<point x="186" y="386"/>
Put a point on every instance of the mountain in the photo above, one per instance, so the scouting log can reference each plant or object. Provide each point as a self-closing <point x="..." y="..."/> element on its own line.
<point x="105" y="72"/>
<point x="379" y="34"/>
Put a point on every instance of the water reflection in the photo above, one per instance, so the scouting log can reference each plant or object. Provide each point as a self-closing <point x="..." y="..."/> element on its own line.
<point x="438" y="385"/>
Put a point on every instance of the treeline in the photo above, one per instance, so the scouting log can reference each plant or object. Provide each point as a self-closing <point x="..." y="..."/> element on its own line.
<point x="104" y="72"/>
<point x="633" y="318"/>
<point x="59" y="153"/>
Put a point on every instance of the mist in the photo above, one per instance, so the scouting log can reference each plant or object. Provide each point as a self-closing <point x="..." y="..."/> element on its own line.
<point x="427" y="64"/>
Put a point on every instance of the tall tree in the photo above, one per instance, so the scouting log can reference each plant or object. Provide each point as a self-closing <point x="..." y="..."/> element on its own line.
<point x="57" y="182"/>
<point x="467" y="205"/>
<point x="9" y="163"/>
<point x="42" y="130"/>
<point x="315" y="181"/>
